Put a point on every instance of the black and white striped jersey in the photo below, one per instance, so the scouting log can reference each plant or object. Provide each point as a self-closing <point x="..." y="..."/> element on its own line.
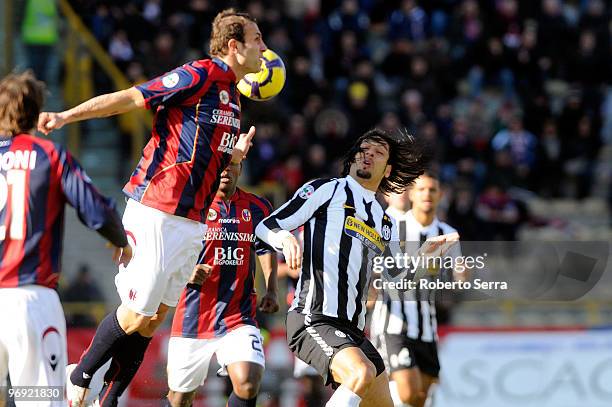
<point x="344" y="228"/>
<point x="414" y="314"/>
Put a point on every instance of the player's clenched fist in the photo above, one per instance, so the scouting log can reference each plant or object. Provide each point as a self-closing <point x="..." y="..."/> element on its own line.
<point x="269" y="303"/>
<point x="200" y="273"/>
<point x="49" y="121"/>
<point x="121" y="255"/>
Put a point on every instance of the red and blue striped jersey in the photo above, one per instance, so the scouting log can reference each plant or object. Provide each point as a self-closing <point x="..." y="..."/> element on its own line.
<point x="37" y="178"/>
<point x="227" y="299"/>
<point x="195" y="128"/>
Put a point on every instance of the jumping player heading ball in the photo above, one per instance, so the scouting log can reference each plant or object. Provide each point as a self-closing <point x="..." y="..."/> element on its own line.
<point x="196" y="134"/>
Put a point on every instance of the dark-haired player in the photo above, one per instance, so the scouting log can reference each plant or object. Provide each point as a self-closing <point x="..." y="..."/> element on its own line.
<point x="344" y="228"/>
<point x="406" y="328"/>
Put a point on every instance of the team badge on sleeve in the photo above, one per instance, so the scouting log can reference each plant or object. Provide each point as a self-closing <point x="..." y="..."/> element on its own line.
<point x="246" y="215"/>
<point x="212" y="214"/>
<point x="306" y="192"/>
<point x="386" y="231"/>
<point x="224" y="97"/>
<point x="171" y="80"/>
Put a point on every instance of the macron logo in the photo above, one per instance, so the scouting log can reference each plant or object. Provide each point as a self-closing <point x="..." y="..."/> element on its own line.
<point x="86" y="376"/>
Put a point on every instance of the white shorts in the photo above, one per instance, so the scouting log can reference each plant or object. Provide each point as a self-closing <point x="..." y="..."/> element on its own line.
<point x="33" y="339"/>
<point x="188" y="358"/>
<point x="301" y="369"/>
<point x="166" y="249"/>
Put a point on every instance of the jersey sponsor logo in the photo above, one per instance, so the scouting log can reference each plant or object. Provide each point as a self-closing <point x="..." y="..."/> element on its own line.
<point x="228" y="256"/>
<point x="225" y="117"/>
<point x="340" y="334"/>
<point x="227" y="143"/>
<point x="52" y="346"/>
<point x="224" y="97"/>
<point x="306" y="192"/>
<point x="171" y="80"/>
<point x="222" y="234"/>
<point x="246" y="215"/>
<point x="369" y="236"/>
<point x="212" y="215"/>
<point x="230" y="220"/>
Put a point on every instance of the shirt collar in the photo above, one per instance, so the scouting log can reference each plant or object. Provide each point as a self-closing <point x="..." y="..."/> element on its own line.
<point x="423" y="229"/>
<point x="225" y="67"/>
<point x="366" y="192"/>
<point x="232" y="199"/>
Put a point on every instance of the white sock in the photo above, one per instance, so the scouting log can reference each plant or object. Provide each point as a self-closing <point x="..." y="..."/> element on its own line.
<point x="343" y="397"/>
<point x="397" y="402"/>
<point x="429" y="402"/>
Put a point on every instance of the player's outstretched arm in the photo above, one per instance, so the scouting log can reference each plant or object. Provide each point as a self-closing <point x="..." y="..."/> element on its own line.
<point x="106" y="105"/>
<point x="94" y="210"/>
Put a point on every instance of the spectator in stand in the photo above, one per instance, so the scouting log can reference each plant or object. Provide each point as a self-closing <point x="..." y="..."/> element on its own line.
<point x="522" y="146"/>
<point x="550" y="165"/>
<point x="83" y="289"/>
<point x="409" y="22"/>
<point x="462" y="214"/>
<point x="580" y="154"/>
<point x="498" y="214"/>
<point x="465" y="65"/>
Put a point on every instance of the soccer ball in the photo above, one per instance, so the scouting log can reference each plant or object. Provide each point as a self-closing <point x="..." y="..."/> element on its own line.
<point x="266" y="83"/>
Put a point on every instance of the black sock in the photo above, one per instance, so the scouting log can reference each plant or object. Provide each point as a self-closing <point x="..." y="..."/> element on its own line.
<point x="108" y="334"/>
<point x="235" y="401"/>
<point x="126" y="360"/>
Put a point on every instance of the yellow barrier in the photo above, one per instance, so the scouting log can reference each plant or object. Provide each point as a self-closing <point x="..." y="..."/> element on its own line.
<point x="96" y="310"/>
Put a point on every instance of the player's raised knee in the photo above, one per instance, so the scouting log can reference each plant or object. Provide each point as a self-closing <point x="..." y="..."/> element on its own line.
<point x="361" y="375"/>
<point x="131" y="321"/>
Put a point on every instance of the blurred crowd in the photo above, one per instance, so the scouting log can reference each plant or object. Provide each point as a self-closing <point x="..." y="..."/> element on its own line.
<point x="510" y="94"/>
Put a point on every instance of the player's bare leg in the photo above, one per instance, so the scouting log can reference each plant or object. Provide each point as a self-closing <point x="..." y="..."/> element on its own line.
<point x="356" y="373"/>
<point x="378" y="393"/>
<point x="131" y="321"/>
<point x="312" y="390"/>
<point x="410" y="387"/>
<point x="178" y="399"/>
<point x="128" y="358"/>
<point x="246" y="378"/>
<point x="429" y="385"/>
<point x="155" y="321"/>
